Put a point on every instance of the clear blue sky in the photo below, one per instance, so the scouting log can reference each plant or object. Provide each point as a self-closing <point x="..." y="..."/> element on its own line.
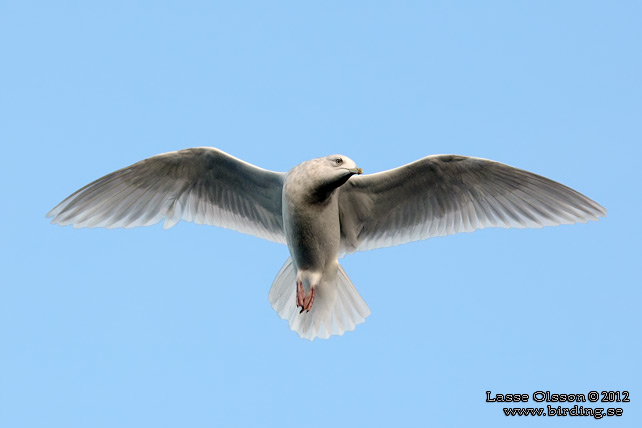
<point x="153" y="328"/>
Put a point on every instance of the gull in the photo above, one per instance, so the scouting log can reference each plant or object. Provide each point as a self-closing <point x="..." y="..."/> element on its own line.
<point x="323" y="209"/>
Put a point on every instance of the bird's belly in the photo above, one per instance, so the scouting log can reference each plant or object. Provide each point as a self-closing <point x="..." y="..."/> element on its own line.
<point x="313" y="241"/>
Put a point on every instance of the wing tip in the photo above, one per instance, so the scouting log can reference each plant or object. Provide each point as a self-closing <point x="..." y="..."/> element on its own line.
<point x="53" y="212"/>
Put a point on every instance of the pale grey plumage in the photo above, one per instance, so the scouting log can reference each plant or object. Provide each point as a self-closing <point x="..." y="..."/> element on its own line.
<point x="445" y="194"/>
<point x="204" y="185"/>
<point x="323" y="211"/>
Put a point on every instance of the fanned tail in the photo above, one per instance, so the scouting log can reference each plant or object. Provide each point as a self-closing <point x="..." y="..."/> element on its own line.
<point x="337" y="307"/>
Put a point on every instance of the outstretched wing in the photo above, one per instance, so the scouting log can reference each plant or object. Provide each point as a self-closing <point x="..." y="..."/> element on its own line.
<point x="445" y="194"/>
<point x="203" y="185"/>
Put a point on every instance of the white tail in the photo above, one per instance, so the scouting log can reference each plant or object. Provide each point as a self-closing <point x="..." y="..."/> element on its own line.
<point x="337" y="307"/>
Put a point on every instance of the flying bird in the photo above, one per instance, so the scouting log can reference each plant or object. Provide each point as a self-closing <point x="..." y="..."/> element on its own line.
<point x="323" y="209"/>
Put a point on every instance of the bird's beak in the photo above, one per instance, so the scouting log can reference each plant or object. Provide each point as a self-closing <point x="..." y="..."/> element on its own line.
<point x="355" y="170"/>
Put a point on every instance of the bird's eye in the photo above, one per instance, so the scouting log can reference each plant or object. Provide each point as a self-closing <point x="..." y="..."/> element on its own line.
<point x="338" y="161"/>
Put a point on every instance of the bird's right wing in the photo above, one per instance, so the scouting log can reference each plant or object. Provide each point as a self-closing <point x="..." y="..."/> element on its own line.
<point x="203" y="185"/>
<point x="445" y="194"/>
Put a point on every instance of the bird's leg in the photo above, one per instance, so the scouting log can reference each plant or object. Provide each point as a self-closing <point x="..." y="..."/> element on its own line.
<point x="309" y="299"/>
<point x="303" y="300"/>
<point x="300" y="294"/>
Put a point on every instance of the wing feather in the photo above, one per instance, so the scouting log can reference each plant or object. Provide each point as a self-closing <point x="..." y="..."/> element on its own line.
<point x="204" y="185"/>
<point x="445" y="194"/>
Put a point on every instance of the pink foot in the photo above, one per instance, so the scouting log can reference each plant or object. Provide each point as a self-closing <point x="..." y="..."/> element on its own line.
<point x="300" y="295"/>
<point x="302" y="300"/>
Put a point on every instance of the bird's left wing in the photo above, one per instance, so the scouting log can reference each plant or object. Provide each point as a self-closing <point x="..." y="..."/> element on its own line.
<point x="445" y="194"/>
<point x="203" y="185"/>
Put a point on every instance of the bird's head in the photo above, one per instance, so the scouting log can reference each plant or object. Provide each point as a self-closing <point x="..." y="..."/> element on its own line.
<point x="322" y="176"/>
<point x="340" y="166"/>
<point x="333" y="171"/>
